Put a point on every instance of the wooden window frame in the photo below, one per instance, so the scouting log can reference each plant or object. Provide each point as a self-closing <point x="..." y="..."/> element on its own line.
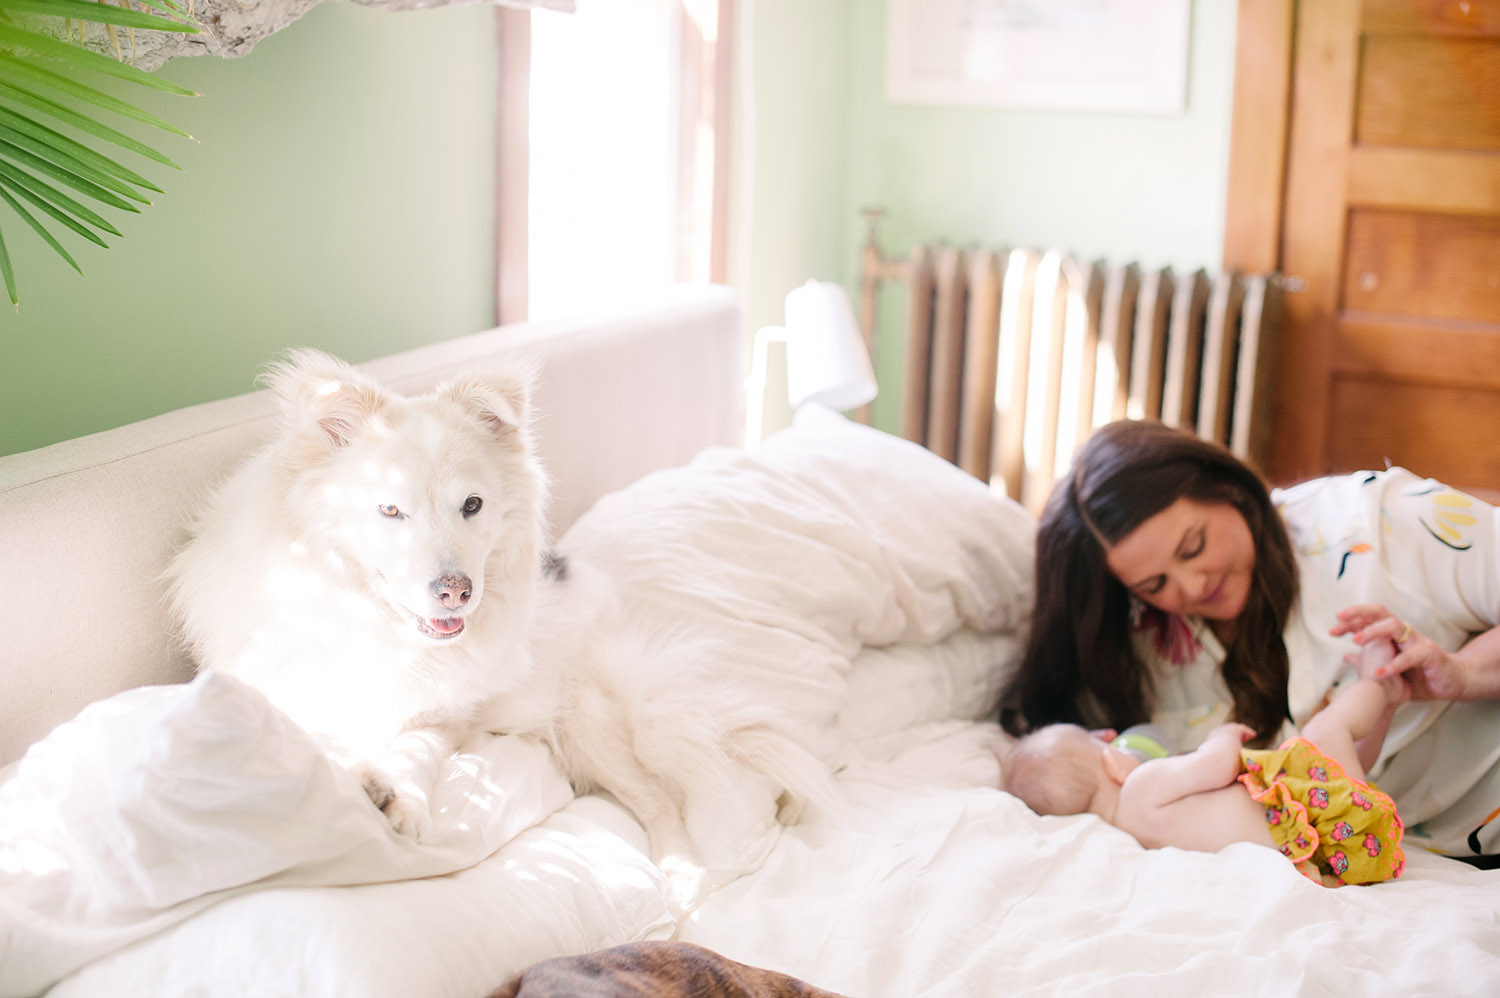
<point x="704" y="117"/>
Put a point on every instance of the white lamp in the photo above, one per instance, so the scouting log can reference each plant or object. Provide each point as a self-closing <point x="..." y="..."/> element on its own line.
<point x="827" y="363"/>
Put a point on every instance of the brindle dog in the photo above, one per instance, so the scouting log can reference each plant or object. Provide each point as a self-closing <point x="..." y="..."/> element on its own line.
<point x="653" y="970"/>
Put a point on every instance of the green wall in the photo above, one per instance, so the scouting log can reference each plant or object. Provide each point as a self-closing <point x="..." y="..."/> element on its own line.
<point x="340" y="194"/>
<point x="1139" y="187"/>
<point x="794" y="141"/>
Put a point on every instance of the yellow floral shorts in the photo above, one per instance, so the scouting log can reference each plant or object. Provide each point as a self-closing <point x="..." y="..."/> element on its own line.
<point x="1337" y="830"/>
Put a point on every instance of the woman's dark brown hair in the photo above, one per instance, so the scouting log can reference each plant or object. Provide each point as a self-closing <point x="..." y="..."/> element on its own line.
<point x="1080" y="665"/>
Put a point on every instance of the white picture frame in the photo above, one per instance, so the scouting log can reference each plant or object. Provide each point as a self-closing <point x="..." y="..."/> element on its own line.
<point x="1087" y="55"/>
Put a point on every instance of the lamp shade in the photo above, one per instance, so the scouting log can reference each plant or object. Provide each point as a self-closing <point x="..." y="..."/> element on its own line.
<point x="826" y="359"/>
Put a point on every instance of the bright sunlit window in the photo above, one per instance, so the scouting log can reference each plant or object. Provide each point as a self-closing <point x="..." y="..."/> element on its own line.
<point x="604" y="153"/>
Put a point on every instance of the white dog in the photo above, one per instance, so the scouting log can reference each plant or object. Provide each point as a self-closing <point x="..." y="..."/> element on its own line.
<point x="380" y="572"/>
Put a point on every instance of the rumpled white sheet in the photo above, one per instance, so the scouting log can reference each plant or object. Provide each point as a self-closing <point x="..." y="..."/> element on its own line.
<point x="938" y="885"/>
<point x="829" y="545"/>
<point x="577" y="882"/>
<point x="158" y="802"/>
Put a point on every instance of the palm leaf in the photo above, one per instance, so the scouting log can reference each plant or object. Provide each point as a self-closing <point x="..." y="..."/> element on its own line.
<point x="82" y="58"/>
<point x="82" y="122"/>
<point x="55" y="212"/>
<point x="8" y="273"/>
<point x="21" y="67"/>
<point x="87" y="10"/>
<point x="68" y="163"/>
<point x="32" y="60"/>
<point x="58" y="140"/>
<point x="40" y="229"/>
<point x="45" y="190"/>
<point x="64" y="176"/>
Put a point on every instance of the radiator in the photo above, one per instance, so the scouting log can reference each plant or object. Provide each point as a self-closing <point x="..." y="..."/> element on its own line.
<point x="1013" y="357"/>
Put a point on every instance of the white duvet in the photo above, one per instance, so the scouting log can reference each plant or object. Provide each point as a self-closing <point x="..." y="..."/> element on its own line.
<point x="188" y="840"/>
<point x="939" y="885"/>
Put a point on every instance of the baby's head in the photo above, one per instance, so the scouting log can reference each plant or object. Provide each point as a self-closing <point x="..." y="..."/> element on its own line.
<point x="1056" y="769"/>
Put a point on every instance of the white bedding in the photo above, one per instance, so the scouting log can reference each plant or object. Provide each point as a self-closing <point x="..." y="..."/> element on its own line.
<point x="940" y="885"/>
<point x="198" y="844"/>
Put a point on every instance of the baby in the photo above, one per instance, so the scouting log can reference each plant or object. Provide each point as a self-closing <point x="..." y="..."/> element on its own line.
<point x="1308" y="798"/>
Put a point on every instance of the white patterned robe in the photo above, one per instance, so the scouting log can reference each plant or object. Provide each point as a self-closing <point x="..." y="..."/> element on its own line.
<point x="1431" y="556"/>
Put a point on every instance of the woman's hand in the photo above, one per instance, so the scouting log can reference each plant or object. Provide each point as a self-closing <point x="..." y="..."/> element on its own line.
<point x="1429" y="672"/>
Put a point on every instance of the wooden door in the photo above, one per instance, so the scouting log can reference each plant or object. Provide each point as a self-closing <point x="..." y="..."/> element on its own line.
<point x="1388" y="229"/>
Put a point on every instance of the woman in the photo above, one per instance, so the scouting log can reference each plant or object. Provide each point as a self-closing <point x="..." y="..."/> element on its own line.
<point x="1172" y="587"/>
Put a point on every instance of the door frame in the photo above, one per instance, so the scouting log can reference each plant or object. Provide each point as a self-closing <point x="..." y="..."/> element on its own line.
<point x="1258" y="134"/>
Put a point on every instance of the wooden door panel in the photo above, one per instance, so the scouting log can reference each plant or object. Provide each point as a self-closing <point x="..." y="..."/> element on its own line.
<point x="1434" y="266"/>
<point x="1435" y="17"/>
<point x="1459" y="354"/>
<point x="1440" y="180"/>
<point x="1451" y="434"/>
<point x="1390" y="240"/>
<point x="1423" y="91"/>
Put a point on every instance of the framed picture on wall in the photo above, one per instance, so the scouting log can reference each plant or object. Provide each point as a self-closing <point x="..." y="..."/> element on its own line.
<point x="1090" y="55"/>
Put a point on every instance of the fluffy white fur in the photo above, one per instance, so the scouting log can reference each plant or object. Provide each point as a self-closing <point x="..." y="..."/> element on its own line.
<point x="378" y="572"/>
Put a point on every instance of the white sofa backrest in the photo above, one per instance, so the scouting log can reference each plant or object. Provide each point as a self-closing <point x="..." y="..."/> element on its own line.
<point x="87" y="526"/>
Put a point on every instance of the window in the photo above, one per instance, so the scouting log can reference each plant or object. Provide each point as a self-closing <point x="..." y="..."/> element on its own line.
<point x="613" y="152"/>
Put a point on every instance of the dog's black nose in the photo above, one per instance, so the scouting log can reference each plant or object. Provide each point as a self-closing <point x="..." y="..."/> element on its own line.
<point x="452" y="590"/>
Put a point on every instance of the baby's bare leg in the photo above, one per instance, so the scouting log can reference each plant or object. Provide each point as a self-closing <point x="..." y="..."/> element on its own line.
<point x="1357" y="715"/>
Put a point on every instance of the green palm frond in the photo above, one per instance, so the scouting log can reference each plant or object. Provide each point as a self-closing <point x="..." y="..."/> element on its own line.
<point x="47" y="87"/>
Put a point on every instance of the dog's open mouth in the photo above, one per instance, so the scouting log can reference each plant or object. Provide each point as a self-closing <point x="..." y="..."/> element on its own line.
<point x="441" y="628"/>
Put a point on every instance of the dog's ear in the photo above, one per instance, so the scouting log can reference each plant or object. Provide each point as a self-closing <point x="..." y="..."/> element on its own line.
<point x="324" y="395"/>
<point x="501" y="401"/>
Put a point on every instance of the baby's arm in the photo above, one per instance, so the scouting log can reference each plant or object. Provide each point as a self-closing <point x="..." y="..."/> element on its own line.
<point x="1351" y="728"/>
<point x="1214" y="765"/>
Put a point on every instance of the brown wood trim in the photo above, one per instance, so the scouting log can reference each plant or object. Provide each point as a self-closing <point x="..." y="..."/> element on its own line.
<point x="512" y="164"/>
<point x="1449" y="181"/>
<point x="1322" y="123"/>
<point x="1258" y="134"/>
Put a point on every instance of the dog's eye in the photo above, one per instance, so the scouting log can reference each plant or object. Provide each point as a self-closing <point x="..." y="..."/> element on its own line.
<point x="389" y="510"/>
<point x="472" y="504"/>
